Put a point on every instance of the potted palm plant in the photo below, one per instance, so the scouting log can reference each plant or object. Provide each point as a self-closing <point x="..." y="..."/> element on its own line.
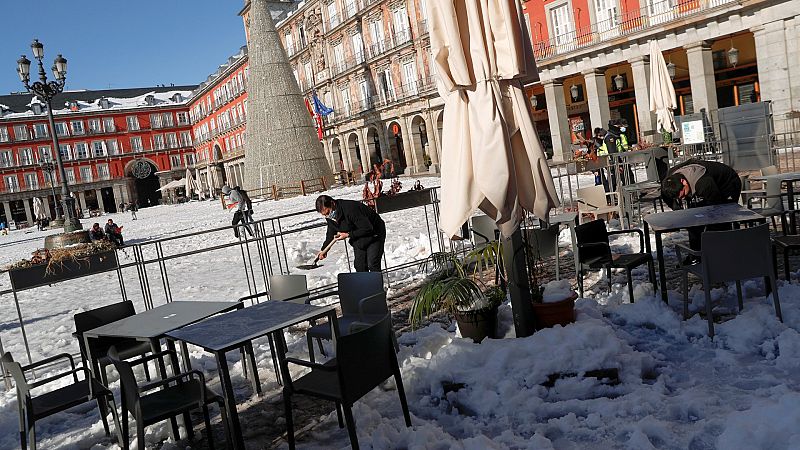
<point x="553" y="302"/>
<point x="457" y="288"/>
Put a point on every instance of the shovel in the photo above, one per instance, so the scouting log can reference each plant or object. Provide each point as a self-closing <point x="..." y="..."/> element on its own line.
<point x="315" y="264"/>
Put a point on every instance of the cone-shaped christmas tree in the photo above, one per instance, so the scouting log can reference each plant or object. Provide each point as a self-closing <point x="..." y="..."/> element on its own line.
<point x="282" y="145"/>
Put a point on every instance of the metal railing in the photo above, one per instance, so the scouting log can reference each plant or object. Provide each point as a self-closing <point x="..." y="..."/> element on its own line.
<point x="657" y="13"/>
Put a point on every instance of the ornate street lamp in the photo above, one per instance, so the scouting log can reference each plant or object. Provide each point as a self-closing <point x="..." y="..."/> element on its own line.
<point x="619" y="82"/>
<point x="45" y="91"/>
<point x="48" y="167"/>
<point x="733" y="56"/>
<point x="573" y="92"/>
<point x="671" y="70"/>
<point x="534" y="102"/>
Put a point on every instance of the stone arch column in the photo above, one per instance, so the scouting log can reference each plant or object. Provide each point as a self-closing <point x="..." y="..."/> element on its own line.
<point x="326" y="149"/>
<point x="353" y="153"/>
<point x="434" y="142"/>
<point x="416" y="138"/>
<point x="366" y="166"/>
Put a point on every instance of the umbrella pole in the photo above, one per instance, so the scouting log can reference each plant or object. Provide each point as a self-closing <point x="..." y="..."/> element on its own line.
<point x="518" y="286"/>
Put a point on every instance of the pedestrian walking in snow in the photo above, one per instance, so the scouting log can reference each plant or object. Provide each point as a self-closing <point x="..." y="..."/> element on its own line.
<point x="133" y="207"/>
<point x="358" y="222"/>
<point x="243" y="208"/>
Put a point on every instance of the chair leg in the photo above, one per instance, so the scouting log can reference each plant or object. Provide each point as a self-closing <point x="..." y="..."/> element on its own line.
<point x="339" y="414"/>
<point x="773" y="283"/>
<point x="402" y="393"/>
<point x="651" y="269"/>
<point x="252" y="359"/>
<point x="125" y="444"/>
<point x="786" y="269"/>
<point x="685" y="288"/>
<point x="224" y="416"/>
<point x="287" y="405"/>
<point x="739" y="295"/>
<point x="187" y="422"/>
<point x="709" y="313"/>
<point x="775" y="260"/>
<point x="630" y="284"/>
<point x="608" y="276"/>
<point x="103" y="408"/>
<point x="146" y="371"/>
<point x="31" y="434"/>
<point x="209" y="434"/>
<point x="579" y="275"/>
<point x="117" y="426"/>
<point x="275" y="360"/>
<point x="321" y="348"/>
<point x="351" y="426"/>
<point x="140" y="434"/>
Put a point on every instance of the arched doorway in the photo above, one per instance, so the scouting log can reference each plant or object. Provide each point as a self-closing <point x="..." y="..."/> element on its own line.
<point x="146" y="182"/>
<point x="419" y="139"/>
<point x="336" y="154"/>
<point x="374" y="146"/>
<point x="396" y="150"/>
<point x="354" y="149"/>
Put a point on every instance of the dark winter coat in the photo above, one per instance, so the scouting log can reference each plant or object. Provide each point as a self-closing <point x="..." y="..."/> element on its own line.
<point x="111" y="228"/>
<point x="363" y="224"/>
<point x="719" y="184"/>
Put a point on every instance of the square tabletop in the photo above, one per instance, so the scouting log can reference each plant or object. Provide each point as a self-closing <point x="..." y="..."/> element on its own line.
<point x="563" y="218"/>
<point x="232" y="330"/>
<point x="154" y="323"/>
<point x="706" y="215"/>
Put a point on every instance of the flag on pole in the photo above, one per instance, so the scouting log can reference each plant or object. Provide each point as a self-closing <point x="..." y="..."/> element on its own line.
<point x="308" y="107"/>
<point x="320" y="108"/>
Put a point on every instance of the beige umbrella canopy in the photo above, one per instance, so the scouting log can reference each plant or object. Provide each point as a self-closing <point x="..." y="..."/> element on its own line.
<point x="662" y="93"/>
<point x="38" y="209"/>
<point x="190" y="184"/>
<point x="492" y="158"/>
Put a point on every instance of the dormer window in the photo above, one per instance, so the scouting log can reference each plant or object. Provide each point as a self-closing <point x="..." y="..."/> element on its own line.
<point x="177" y="98"/>
<point x="73" y="105"/>
<point x="104" y="103"/>
<point x="36" y="108"/>
<point x="149" y="100"/>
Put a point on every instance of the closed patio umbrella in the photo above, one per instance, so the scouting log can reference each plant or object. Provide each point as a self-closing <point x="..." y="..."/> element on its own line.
<point x="492" y="158"/>
<point x="190" y="186"/>
<point x="662" y="93"/>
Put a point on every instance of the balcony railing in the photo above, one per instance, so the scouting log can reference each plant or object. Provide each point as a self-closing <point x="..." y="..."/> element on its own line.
<point x="397" y="39"/>
<point x="404" y="92"/>
<point x="657" y="13"/>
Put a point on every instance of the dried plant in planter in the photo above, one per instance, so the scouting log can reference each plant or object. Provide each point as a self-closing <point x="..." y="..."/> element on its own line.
<point x="56" y="258"/>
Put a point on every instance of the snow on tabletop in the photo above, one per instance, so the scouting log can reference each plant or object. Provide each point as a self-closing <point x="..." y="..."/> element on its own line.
<point x="678" y="389"/>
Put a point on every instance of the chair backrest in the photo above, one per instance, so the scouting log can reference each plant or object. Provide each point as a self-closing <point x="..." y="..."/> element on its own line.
<point x="98" y="317"/>
<point x="355" y="286"/>
<point x="594" y="196"/>
<point x="769" y="170"/>
<point x="292" y="288"/>
<point x="128" y="385"/>
<point x="774" y="200"/>
<point x="483" y="230"/>
<point x="17" y="374"/>
<point x="365" y="359"/>
<point x="542" y="241"/>
<point x="750" y="246"/>
<point x="593" y="232"/>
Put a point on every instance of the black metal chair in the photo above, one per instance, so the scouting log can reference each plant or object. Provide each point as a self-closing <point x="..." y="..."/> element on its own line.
<point x="364" y="359"/>
<point x="127" y="348"/>
<point x="179" y="394"/>
<point x="594" y="252"/>
<point x="33" y="408"/>
<point x="361" y="298"/>
<point x="786" y="244"/>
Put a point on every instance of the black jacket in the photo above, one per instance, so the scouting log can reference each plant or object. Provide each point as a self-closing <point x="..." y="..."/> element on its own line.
<point x="363" y="224"/>
<point x="720" y="184"/>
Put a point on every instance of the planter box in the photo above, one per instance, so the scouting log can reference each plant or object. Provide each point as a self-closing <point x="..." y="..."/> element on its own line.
<point x="403" y="200"/>
<point x="35" y="276"/>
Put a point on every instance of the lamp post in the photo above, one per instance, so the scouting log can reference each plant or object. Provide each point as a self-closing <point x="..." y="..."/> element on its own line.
<point x="48" y="167"/>
<point x="45" y="91"/>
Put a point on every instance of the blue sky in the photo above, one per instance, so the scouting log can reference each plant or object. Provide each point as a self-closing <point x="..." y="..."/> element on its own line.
<point x="121" y="43"/>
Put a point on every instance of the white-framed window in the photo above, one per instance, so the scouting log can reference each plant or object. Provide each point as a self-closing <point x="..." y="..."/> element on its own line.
<point x="4" y="135"/>
<point x="338" y="56"/>
<point x="49" y="177"/>
<point x="70" y="175"/>
<point x="25" y="156"/>
<point x="168" y="119"/>
<point x="62" y="129"/>
<point x="112" y="147"/>
<point x="239" y="140"/>
<point x="358" y="47"/>
<point x="158" y="141"/>
<point x="410" y="77"/>
<point x="108" y="125"/>
<point x="363" y="92"/>
<point x="175" y="161"/>
<point x="172" y="140"/>
<point x="387" y="85"/>
<point x="132" y="123"/>
<point x="186" y="139"/>
<point x="86" y="173"/>
<point x="190" y="159"/>
<point x="95" y="126"/>
<point x="6" y="159"/>
<point x="213" y="124"/>
<point x="40" y="130"/>
<point x="183" y="118"/>
<point x="402" y="33"/>
<point x="350" y="8"/>
<point x="289" y="42"/>
<point x="606" y="17"/>
<point x="98" y="148"/>
<point x="155" y="120"/>
<point x="102" y="172"/>
<point x="309" y="73"/>
<point x="136" y="144"/>
<point x="31" y="180"/>
<point x="44" y="153"/>
<point x="376" y="36"/>
<point x="563" y="27"/>
<point x="77" y="127"/>
<point x="12" y="183"/>
<point x="344" y="93"/>
<point x="333" y="16"/>
<point x="21" y="133"/>
<point x="81" y="150"/>
<point x="66" y="153"/>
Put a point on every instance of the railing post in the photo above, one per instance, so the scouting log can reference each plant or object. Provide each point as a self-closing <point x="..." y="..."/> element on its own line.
<point x="303" y="187"/>
<point x="274" y="192"/>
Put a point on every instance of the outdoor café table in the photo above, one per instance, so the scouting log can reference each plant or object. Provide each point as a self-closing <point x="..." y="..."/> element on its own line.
<point x="790" y="178"/>
<point x="152" y="325"/>
<point x="221" y="334"/>
<point x="671" y="221"/>
<point x="568" y="219"/>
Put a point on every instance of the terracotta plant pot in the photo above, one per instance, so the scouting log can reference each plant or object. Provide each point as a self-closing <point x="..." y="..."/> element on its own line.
<point x="478" y="324"/>
<point x="555" y="313"/>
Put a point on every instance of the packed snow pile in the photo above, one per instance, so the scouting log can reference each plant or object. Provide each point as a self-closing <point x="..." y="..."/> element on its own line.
<point x="623" y="376"/>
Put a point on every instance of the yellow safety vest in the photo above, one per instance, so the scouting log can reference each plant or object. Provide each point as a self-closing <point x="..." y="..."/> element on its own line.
<point x="622" y="146"/>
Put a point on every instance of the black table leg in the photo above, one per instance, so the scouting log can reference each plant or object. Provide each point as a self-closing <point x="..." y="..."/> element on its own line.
<point x="790" y="195"/>
<point x="662" y="270"/>
<point x="187" y="420"/>
<point x="230" y="401"/>
<point x="155" y="347"/>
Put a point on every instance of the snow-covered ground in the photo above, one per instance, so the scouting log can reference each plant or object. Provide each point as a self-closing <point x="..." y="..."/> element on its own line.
<point x="678" y="389"/>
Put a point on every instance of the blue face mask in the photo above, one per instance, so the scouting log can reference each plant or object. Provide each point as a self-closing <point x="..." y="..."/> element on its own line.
<point x="331" y="215"/>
